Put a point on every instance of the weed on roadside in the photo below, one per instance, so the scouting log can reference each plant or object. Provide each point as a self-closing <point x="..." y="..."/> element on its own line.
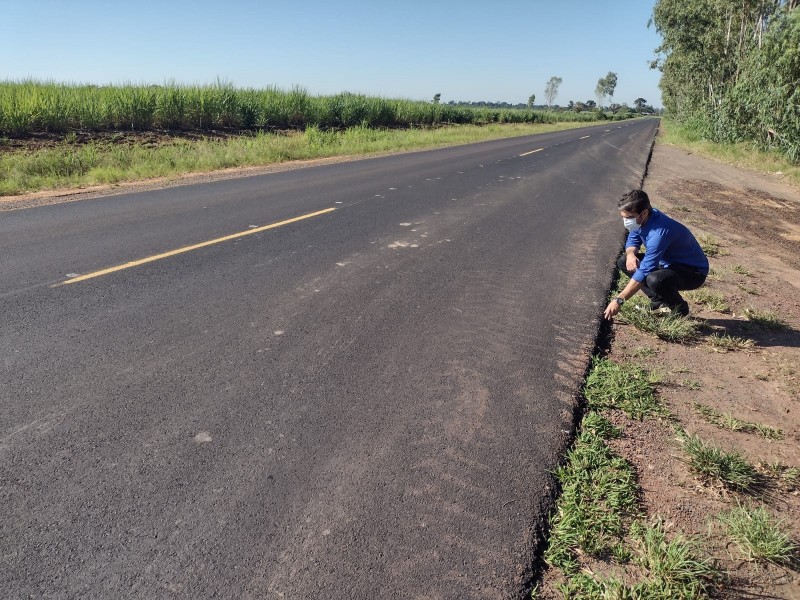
<point x="728" y="421"/>
<point x="729" y="343"/>
<point x="598" y="495"/>
<point x="710" y="245"/>
<point x="765" y="319"/>
<point x="627" y="387"/>
<point x="784" y="475"/>
<point x="758" y="535"/>
<point x="714" y="465"/>
<point x="709" y="299"/>
<point x="670" y="328"/>
<point x="673" y="571"/>
<point x="749" y="289"/>
<point x="741" y="270"/>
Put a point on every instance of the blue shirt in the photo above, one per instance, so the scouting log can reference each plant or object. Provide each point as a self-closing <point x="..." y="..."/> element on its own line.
<point x="668" y="243"/>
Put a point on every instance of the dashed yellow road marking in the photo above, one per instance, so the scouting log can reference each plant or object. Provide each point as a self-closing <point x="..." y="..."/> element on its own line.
<point x="149" y="259"/>
<point x="531" y="152"/>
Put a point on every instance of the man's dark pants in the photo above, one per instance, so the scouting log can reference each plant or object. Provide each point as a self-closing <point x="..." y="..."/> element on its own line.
<point x="662" y="286"/>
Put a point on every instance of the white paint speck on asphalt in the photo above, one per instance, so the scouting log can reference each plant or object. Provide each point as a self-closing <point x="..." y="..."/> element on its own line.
<point x="279" y="332"/>
<point x="203" y="437"/>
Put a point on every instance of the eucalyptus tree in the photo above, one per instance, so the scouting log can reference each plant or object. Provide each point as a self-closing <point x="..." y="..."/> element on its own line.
<point x="551" y="89"/>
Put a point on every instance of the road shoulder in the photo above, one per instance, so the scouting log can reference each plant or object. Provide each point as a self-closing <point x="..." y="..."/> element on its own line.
<point x="735" y="385"/>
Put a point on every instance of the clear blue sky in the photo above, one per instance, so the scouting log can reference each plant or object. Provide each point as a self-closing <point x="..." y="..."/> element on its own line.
<point x="465" y="50"/>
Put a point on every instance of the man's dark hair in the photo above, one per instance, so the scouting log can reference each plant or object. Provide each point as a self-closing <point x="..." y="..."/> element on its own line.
<point x="635" y="201"/>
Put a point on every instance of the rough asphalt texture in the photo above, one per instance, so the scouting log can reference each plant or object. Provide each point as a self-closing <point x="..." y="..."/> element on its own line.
<point x="364" y="404"/>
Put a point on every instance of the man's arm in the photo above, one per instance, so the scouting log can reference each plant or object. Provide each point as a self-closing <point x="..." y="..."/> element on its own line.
<point x="631" y="260"/>
<point x="628" y="292"/>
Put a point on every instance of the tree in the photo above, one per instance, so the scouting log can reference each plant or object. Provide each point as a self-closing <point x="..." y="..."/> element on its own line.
<point x="436" y="98"/>
<point x="551" y="89"/>
<point x="605" y="87"/>
<point x="531" y="100"/>
<point x="730" y="69"/>
<point x="640" y="103"/>
<point x="590" y="104"/>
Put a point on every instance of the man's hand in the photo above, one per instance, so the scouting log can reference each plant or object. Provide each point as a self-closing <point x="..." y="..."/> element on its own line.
<point x="611" y="310"/>
<point x="631" y="262"/>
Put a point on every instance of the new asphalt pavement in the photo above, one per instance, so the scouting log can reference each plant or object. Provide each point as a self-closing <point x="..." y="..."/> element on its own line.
<point x="345" y="381"/>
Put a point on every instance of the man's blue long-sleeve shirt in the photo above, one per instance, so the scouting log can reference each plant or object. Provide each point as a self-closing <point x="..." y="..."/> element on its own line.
<point x="668" y="243"/>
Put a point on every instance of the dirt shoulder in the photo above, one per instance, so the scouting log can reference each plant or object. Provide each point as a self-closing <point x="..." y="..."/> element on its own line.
<point x="756" y="222"/>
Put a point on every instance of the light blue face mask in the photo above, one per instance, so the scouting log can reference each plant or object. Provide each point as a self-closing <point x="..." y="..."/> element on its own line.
<point x="631" y="224"/>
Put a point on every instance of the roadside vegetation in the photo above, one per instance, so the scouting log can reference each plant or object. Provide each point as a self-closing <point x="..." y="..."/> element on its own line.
<point x="30" y="106"/>
<point x="683" y="479"/>
<point x="55" y="136"/>
<point x="731" y="76"/>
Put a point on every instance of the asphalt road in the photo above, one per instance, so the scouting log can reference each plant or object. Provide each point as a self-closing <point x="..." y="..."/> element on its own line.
<point x="363" y="403"/>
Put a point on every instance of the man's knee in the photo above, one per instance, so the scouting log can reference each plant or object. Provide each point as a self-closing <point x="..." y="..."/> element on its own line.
<point x="621" y="264"/>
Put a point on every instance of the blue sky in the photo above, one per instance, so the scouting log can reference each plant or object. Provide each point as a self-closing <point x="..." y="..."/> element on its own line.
<point x="466" y="50"/>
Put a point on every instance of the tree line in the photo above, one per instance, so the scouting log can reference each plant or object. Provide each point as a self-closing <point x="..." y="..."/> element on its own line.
<point x="731" y="70"/>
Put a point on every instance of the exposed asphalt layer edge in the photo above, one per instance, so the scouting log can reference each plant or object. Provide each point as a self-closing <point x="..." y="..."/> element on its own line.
<point x="602" y="345"/>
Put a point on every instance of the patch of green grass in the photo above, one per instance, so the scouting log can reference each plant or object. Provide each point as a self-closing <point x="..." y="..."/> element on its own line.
<point x="729" y="343"/>
<point x="674" y="566"/>
<point x="598" y="495"/>
<point x="710" y="245"/>
<point x="674" y="570"/>
<point x="758" y="535"/>
<point x="644" y="352"/>
<point x="710" y="299"/>
<point x="741" y="270"/>
<point x="765" y="319"/>
<point x="712" y="464"/>
<point x="691" y="384"/>
<point x="782" y="473"/>
<point x="670" y="328"/>
<point x="681" y="209"/>
<point x="728" y="421"/>
<point x="626" y="387"/>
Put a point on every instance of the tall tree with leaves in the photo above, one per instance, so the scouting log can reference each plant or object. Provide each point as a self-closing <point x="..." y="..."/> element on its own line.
<point x="731" y="70"/>
<point x="531" y="100"/>
<point x="605" y="87"/>
<point x="551" y="90"/>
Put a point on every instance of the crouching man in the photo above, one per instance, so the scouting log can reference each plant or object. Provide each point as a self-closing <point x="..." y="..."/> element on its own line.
<point x="673" y="260"/>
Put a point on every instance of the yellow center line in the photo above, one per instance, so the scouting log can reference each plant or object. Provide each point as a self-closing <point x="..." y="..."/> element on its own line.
<point x="149" y="259"/>
<point x="531" y="152"/>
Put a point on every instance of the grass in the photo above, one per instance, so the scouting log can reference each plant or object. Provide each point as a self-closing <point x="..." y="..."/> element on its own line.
<point x="670" y="328"/>
<point x="765" y="319"/>
<point x="758" y="535"/>
<point x="728" y="421"/>
<point x="636" y="311"/>
<point x="72" y="166"/>
<point x="729" y="343"/>
<point x="710" y="245"/>
<point x="714" y="465"/>
<point x="712" y="300"/>
<point x="673" y="571"/>
<point x="741" y="154"/>
<point x="741" y="270"/>
<point x="598" y="495"/>
<point x="626" y="387"/>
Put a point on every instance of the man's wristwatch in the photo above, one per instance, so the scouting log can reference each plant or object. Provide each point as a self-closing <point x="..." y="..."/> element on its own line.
<point x="619" y="300"/>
